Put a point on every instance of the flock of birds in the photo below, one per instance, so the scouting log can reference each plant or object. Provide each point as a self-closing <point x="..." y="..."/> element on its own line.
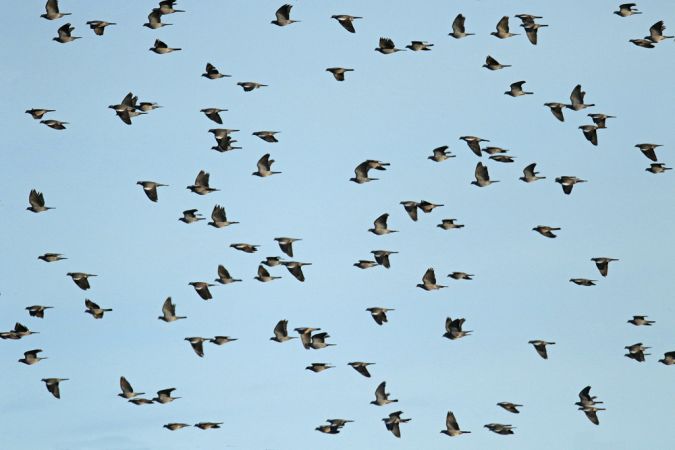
<point x="314" y="338"/>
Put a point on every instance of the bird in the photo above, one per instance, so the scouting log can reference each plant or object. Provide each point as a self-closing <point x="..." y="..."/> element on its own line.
<point x="38" y="113"/>
<point x="627" y="9"/>
<point x="540" y="347"/>
<point x="393" y="422"/>
<point x="591" y="413"/>
<point x="164" y="396"/>
<point x="246" y="248"/>
<point x="31" y="357"/>
<point x="668" y="358"/>
<point x="410" y="207"/>
<point x="202" y="288"/>
<point x="96" y="311"/>
<point x="546" y="231"/>
<point x="577" y="99"/>
<point x="387" y="47"/>
<point x="346" y="21"/>
<point x="127" y="390"/>
<point x="453" y="329"/>
<point x="81" y="279"/>
<point x="510" y="407"/>
<point x="191" y="216"/>
<point x="656" y="32"/>
<point x="166" y="7"/>
<point x="224" y="276"/>
<point x="264" y="276"/>
<point x="219" y="219"/>
<point x="474" y="144"/>
<point x="451" y="426"/>
<point x="583" y="281"/>
<point x="222" y="340"/>
<point x="503" y="158"/>
<point x="499" y="428"/>
<point x="295" y="268"/>
<point x="327" y="429"/>
<point x="382" y="257"/>
<point x="638" y="355"/>
<point x="147" y="106"/>
<point x="482" y="176"/>
<point x="52" y="11"/>
<point x="449" y="224"/>
<point x="641" y="321"/>
<point x="286" y="244"/>
<point x="557" y="110"/>
<point x="382" y="397"/>
<point x="530" y="175"/>
<point x="493" y="64"/>
<point x="55" y="124"/>
<point x="306" y="336"/>
<point x="284" y="16"/>
<point x="440" y="154"/>
<point x="272" y="261"/>
<point x="590" y="133"/>
<point x="99" y="26"/>
<point x="361" y="171"/>
<point x="427" y="207"/>
<point x="417" y="46"/>
<point x="517" y="89"/>
<point x="65" y="34"/>
<point x="461" y="276"/>
<point x="429" y="281"/>
<point x="379" y="314"/>
<point x="208" y="425"/>
<point x="267" y="136"/>
<point x="340" y="423"/>
<point x="281" y="332"/>
<point x="52" y="385"/>
<point x="37" y="202"/>
<point x="644" y="43"/>
<point x="458" y="29"/>
<point x="37" y="310"/>
<point x="602" y="264"/>
<point x="339" y="72"/>
<point x="319" y="341"/>
<point x="585" y="398"/>
<point x="380" y="226"/>
<point x="648" y="150"/>
<point x="527" y="19"/>
<point x="318" y="367"/>
<point x="161" y="48"/>
<point x="201" y="185"/>
<point x="657" y="168"/>
<point x="636" y="348"/>
<point x="532" y="31"/>
<point x="212" y="74"/>
<point x="197" y="344"/>
<point x="52" y="257"/>
<point x="169" y="312"/>
<point x="361" y="367"/>
<point x="155" y="20"/>
<point x="503" y="29"/>
<point x="150" y="189"/>
<point x="365" y="264"/>
<point x="265" y="167"/>
<point x="568" y="182"/>
<point x="17" y="333"/>
<point x="173" y="426"/>
<point x="248" y="86"/>
<point x="600" y="119"/>
<point x="213" y="114"/>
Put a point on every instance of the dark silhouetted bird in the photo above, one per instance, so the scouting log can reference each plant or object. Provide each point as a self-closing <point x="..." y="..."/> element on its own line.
<point x="387" y="47"/>
<point x="96" y="311"/>
<point x="99" y="26"/>
<point x="224" y="276"/>
<point x="37" y="310"/>
<point x="284" y="16"/>
<point x="453" y="329"/>
<point x="191" y="216"/>
<point x="627" y="9"/>
<point x="202" y="288"/>
<point x="648" y="150"/>
<point x="150" y="189"/>
<point x="510" y="407"/>
<point x="201" y="185"/>
<point x="65" y="35"/>
<point x="382" y="397"/>
<point x="540" y="347"/>
<point x="264" y="276"/>
<point x="339" y="72"/>
<point x="568" y="182"/>
<point x="52" y="385"/>
<point x="546" y="230"/>
<point x="583" y="281"/>
<point x="602" y="264"/>
<point x="361" y="367"/>
<point x="161" y="48"/>
<point x="81" y="279"/>
<point x="641" y="321"/>
<point x="212" y="73"/>
<point x="169" y="312"/>
<point x="197" y="344"/>
<point x="451" y="426"/>
<point x="458" y="28"/>
<point x="379" y="314"/>
<point x="380" y="226"/>
<point x="346" y="21"/>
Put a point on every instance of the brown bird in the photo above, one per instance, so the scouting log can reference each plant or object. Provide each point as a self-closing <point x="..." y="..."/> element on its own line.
<point x="648" y="150"/>
<point x="410" y="207"/>
<point x="602" y="264"/>
<point x="482" y="176"/>
<point x="30" y="357"/>
<point x="627" y="9"/>
<point x="161" y="48"/>
<point x="155" y="20"/>
<point x="530" y="175"/>
<point x="503" y="29"/>
<point x="286" y="244"/>
<point x="175" y="426"/>
<point x="224" y="276"/>
<point x="380" y="226"/>
<point x="451" y="426"/>
<point x="318" y="367"/>
<point x="382" y="257"/>
<point x="295" y="268"/>
<point x="55" y="124"/>
<point x="600" y="119"/>
<point x="361" y="367"/>
<point x="99" y="26"/>
<point x="429" y="281"/>
<point x="52" y="257"/>
<point x="658" y="168"/>
<point x="379" y="314"/>
<point x="393" y="422"/>
<point x="212" y="74"/>
<point x="52" y="11"/>
<point x="248" y="86"/>
<point x="284" y="16"/>
<point x="365" y="264"/>
<point x="265" y="167"/>
<point x="510" y="407"/>
<point x="346" y="21"/>
<point x="641" y="321"/>
<point x="267" y="136"/>
<point x="339" y="72"/>
<point x="474" y="144"/>
<point x="202" y="288"/>
<point x="557" y="110"/>
<point x="208" y="425"/>
<point x="361" y="171"/>
<point x="246" y="248"/>
<point x="387" y="47"/>
<point x="540" y="347"/>
<point x="493" y="64"/>
<point x="213" y="114"/>
<point x="95" y="310"/>
<point x="197" y="344"/>
<point x="264" y="276"/>
<point x="568" y="182"/>
<point x="81" y="279"/>
<point x="449" y="224"/>
<point x="169" y="312"/>
<point x="546" y="230"/>
<point x="127" y="390"/>
<point x="150" y="189"/>
<point x="17" y="333"/>
<point x="440" y="154"/>
<point x="590" y="133"/>
<point x="65" y="35"/>
<point x="583" y="281"/>
<point x="201" y="185"/>
<point x="281" y="332"/>
<point x="37" y="310"/>
<point x="219" y="219"/>
<point x="38" y="113"/>
<point x="37" y="202"/>
<point x="453" y="329"/>
<point x="458" y="29"/>
<point x="577" y="99"/>
<point x="382" y="397"/>
<point x="52" y="385"/>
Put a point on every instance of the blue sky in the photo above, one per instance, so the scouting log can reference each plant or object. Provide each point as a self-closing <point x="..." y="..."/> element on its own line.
<point x="394" y="108"/>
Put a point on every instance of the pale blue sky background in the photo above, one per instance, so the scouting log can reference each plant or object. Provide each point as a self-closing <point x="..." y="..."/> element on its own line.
<point x="395" y="108"/>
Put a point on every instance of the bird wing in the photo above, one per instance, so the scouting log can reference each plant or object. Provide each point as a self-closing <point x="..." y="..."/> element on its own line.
<point x="503" y="25"/>
<point x="656" y="30"/>
<point x="281" y="330"/>
<point x="284" y="13"/>
<point x="286" y="247"/>
<point x="218" y="214"/>
<point x="592" y="416"/>
<point x="411" y="209"/>
<point x="347" y="24"/>
<point x="52" y="7"/>
<point x="429" y="277"/>
<point x="458" y="24"/>
<point x="361" y="171"/>
<point x="381" y="222"/>
<point x="160" y="44"/>
<point x="577" y="95"/>
<point x="481" y="173"/>
<point x="91" y="305"/>
<point x="264" y="163"/>
<point x="296" y="271"/>
<point x="490" y="61"/>
<point x="262" y="272"/>
<point x="125" y="386"/>
<point x="541" y="350"/>
<point x="451" y="422"/>
<point x="528" y="172"/>
<point x="379" y="392"/>
<point x="386" y="44"/>
<point x="202" y="179"/>
<point x="36" y="199"/>
<point x="168" y="309"/>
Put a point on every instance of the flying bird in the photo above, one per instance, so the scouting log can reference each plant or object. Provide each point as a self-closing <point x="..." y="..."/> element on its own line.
<point x="52" y="385"/>
<point x="248" y="86"/>
<point x="429" y="281"/>
<point x="600" y="119"/>
<point x="417" y="46"/>
<point x="54" y="124"/>
<point x="590" y="133"/>
<point x="169" y="311"/>
<point x="318" y="367"/>
<point x="208" y="425"/>
<point x="493" y="64"/>
<point x="382" y="257"/>
<point x="202" y="288"/>
<point x="264" y="276"/>
<point x="668" y="358"/>
<point x="197" y="344"/>
<point x="382" y="397"/>
<point x="164" y="396"/>
<point x="648" y="150"/>
<point x="219" y="219"/>
<point x="380" y="226"/>
<point x="224" y="276"/>
<point x="458" y="29"/>
<point x="191" y="216"/>
<point x="540" y="347"/>
<point x="532" y="31"/>
<point x="568" y="182"/>
<point x="173" y="426"/>
<point x="361" y="171"/>
<point x="441" y="154"/>
<point x="378" y="314"/>
<point x="657" y="168"/>
<point x="346" y="21"/>
<point x="510" y="407"/>
<point x="503" y="29"/>
<point x="281" y="332"/>
<point x="52" y="11"/>
<point x="499" y="428"/>
<point x="602" y="264"/>
<point x="81" y="279"/>
<point x="150" y="189"/>
<point x="37" y="310"/>
<point x="583" y="281"/>
<point x="577" y="99"/>
<point x="449" y="224"/>
<point x="656" y="32"/>
<point x="516" y="89"/>
<point x="155" y="20"/>
<point x="286" y="244"/>
<point x="361" y="367"/>
<point x="339" y="72"/>
<point x="166" y="7"/>
<point x="482" y="176"/>
<point x="127" y="390"/>
<point x="453" y="329"/>
<point x="31" y="357"/>
<point x="530" y="175"/>
<point x="265" y="167"/>
<point x="451" y="426"/>
<point x="295" y="268"/>
<point x="393" y="422"/>
<point x="201" y="185"/>
<point x="96" y="311"/>
<point x="641" y="321"/>
<point x="546" y="231"/>
<point x="627" y="9"/>
<point x="387" y="47"/>
<point x="161" y="48"/>
<point x="212" y="74"/>
<point x="267" y="136"/>
<point x="557" y="110"/>
<point x="99" y="26"/>
<point x="37" y="202"/>
<point x="213" y="114"/>
<point x="474" y="144"/>
<point x="65" y="35"/>
<point x="38" y="113"/>
<point x="284" y="16"/>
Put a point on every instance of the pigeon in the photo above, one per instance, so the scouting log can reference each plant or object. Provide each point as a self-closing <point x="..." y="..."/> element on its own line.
<point x="441" y="154"/>
<point x="627" y="9"/>
<point x="387" y="47"/>
<point x="591" y="413"/>
<point x="379" y="314"/>
<point x="657" y="168"/>
<point x="458" y="29"/>
<point x="155" y="20"/>
<point x="224" y="276"/>
<point x="248" y="86"/>
<point x="212" y="73"/>
<point x="191" y="216"/>
<point x="503" y="29"/>
<point x="417" y="46"/>
<point x="540" y="347"/>
<point x="492" y="150"/>
<point x="648" y="150"/>
<point x="99" y="26"/>
<point x="150" y="189"/>
<point x="318" y="367"/>
<point x="81" y="279"/>
<point x="656" y="32"/>
<point x="346" y="21"/>
<point x="169" y="312"/>
<point x="365" y="264"/>
<point x="265" y="167"/>
<point x="451" y="426"/>
<point x="52" y="385"/>
<point x="510" y="407"/>
<point x="65" y="35"/>
<point x="583" y="281"/>
<point x="202" y="288"/>
<point x="272" y="261"/>
<point x="37" y="310"/>
<point x="17" y="333"/>
<point x="641" y="321"/>
<point x="603" y="264"/>
<point x="208" y="425"/>
<point x="429" y="281"/>
<point x="246" y="248"/>
<point x="532" y="31"/>
<point x="568" y="182"/>
<point x="411" y="208"/>
<point x="453" y="329"/>
<point x="361" y="171"/>
<point x="449" y="224"/>
<point x="474" y="144"/>
<point x="380" y="226"/>
<point x="197" y="344"/>
<point x="527" y="19"/>
<point x="361" y="367"/>
<point x="517" y="89"/>
<point x="52" y="257"/>
<point x="577" y="99"/>
<point x="213" y="114"/>
<point x="52" y="11"/>
<point x="590" y="133"/>
<point x="493" y="64"/>
<point x="286" y="244"/>
<point x="600" y="119"/>
<point x="284" y="16"/>
<point x="482" y="176"/>
<point x="644" y="43"/>
<point x="461" y="276"/>
<point x="127" y="390"/>
<point x="96" y="311"/>
<point x="267" y="136"/>
<point x="393" y="423"/>
<point x="427" y="207"/>
<point x="30" y="357"/>
<point x="339" y="72"/>
<point x="503" y="158"/>
<point x="636" y="348"/>
<point x="585" y="398"/>
<point x="218" y="217"/>
<point x="37" y="202"/>
<point x="530" y="175"/>
<point x="295" y="268"/>
<point x="638" y="355"/>
<point x="55" y="124"/>
<point x="173" y="426"/>
<point x="264" y="276"/>
<point x="499" y="428"/>
<point x="281" y="332"/>
<point x="340" y="423"/>
<point x="147" y="106"/>
<point x="166" y="7"/>
<point x="546" y="231"/>
<point x="319" y="341"/>
<point x="38" y="113"/>
<point x="164" y="396"/>
<point x="557" y="110"/>
<point x="306" y="336"/>
<point x="327" y="429"/>
<point x="382" y="257"/>
<point x="668" y="358"/>
<point x="382" y="397"/>
<point x="201" y="185"/>
<point x="161" y="48"/>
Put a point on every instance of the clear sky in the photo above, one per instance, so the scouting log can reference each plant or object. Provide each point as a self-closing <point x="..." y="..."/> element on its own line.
<point x="395" y="108"/>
